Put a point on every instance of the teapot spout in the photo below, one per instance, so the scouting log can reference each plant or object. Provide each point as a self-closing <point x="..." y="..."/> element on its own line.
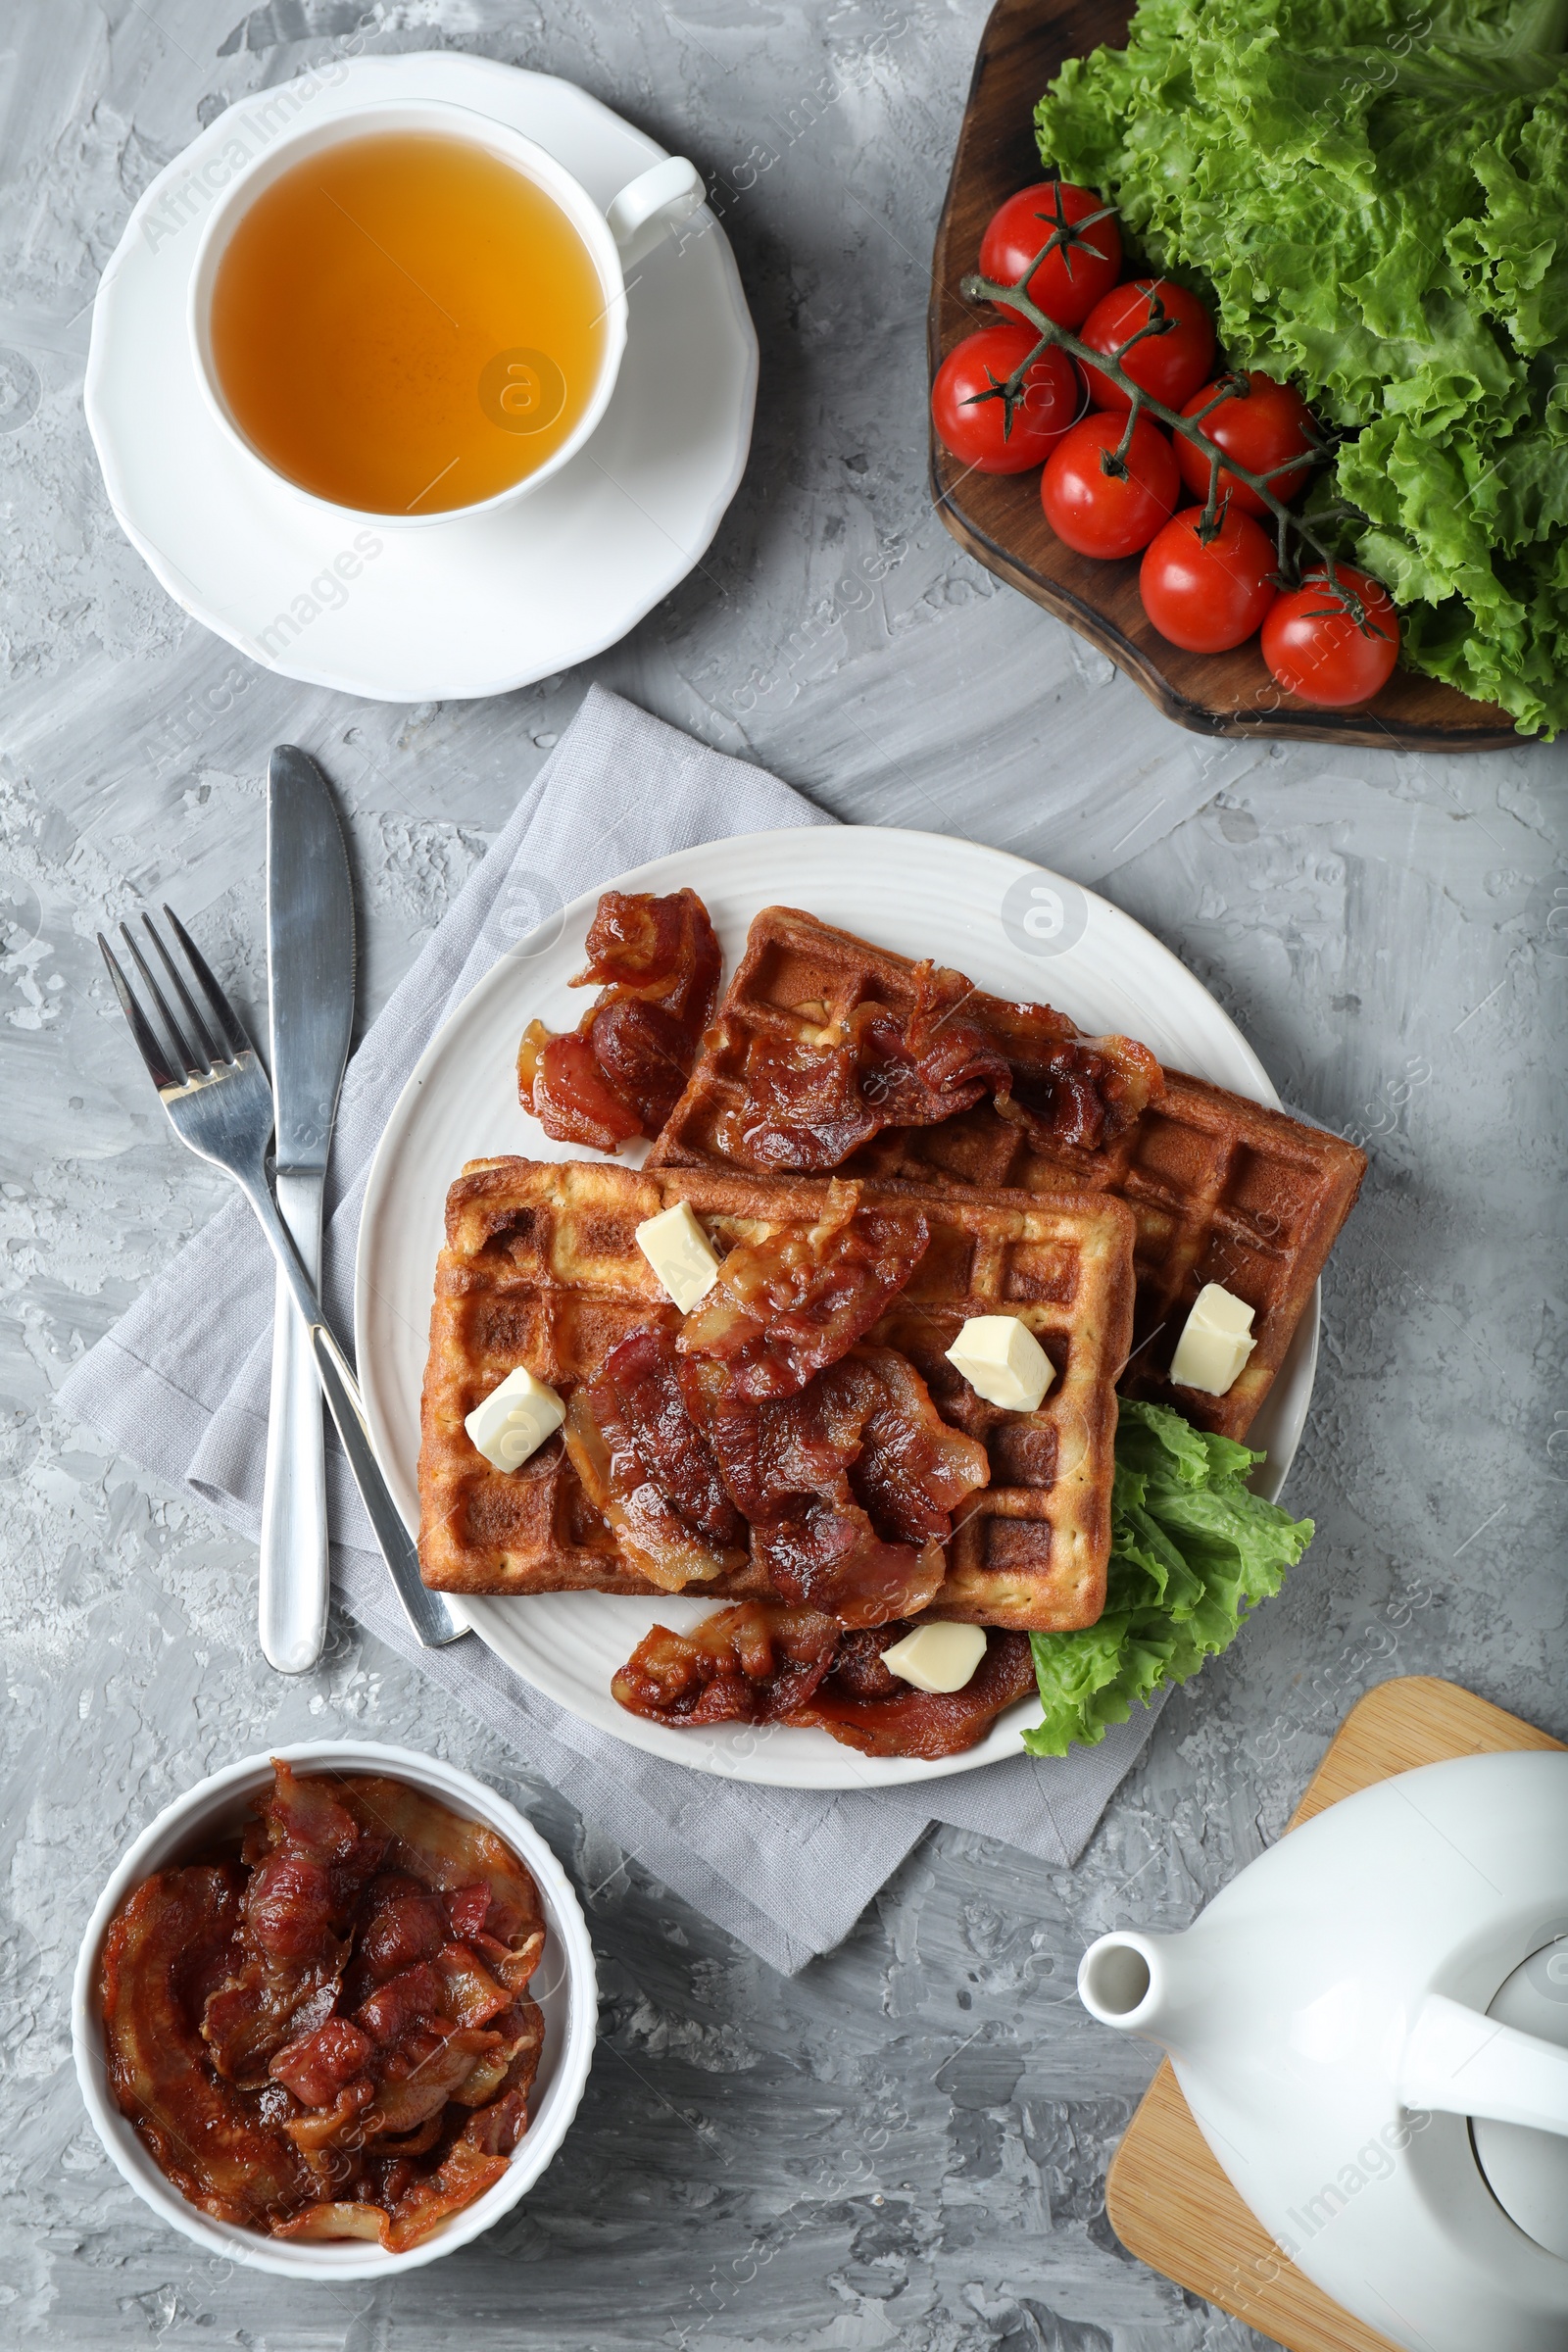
<point x="1151" y="1985"/>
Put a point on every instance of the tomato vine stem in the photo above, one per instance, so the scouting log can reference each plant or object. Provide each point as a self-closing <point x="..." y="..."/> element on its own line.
<point x="1288" y="523"/>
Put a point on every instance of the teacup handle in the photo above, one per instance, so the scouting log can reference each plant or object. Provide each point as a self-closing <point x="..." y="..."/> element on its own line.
<point x="655" y="200"/>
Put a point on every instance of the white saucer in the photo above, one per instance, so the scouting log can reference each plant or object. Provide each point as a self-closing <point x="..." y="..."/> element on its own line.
<point x="466" y="607"/>
<point x="921" y="893"/>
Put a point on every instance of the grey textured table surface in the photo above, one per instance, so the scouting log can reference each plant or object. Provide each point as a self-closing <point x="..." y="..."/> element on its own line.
<point x="906" y="2144"/>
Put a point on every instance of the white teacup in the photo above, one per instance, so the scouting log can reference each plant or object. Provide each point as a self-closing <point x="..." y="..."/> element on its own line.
<point x="616" y="239"/>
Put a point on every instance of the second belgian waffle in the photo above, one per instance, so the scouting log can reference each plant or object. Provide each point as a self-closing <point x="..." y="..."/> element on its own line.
<point x="1224" y="1190"/>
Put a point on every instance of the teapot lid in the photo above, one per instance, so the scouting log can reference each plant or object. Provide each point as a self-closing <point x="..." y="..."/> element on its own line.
<point x="1527" y="2171"/>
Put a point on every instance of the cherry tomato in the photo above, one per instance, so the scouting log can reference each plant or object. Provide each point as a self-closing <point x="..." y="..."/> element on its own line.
<point x="1170" y="366"/>
<point x="1207" y="598"/>
<point x="1100" y="514"/>
<point x="1317" y="652"/>
<point x="1070" y="280"/>
<point x="1260" y="430"/>
<point x="973" y="418"/>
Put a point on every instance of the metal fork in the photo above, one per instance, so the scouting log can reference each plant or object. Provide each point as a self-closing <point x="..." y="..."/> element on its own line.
<point x="219" y="1104"/>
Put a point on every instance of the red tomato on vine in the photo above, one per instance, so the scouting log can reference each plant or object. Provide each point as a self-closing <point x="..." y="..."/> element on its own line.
<point x="980" y="424"/>
<point x="1084" y="265"/>
<point x="1109" y="514"/>
<point x="1168" y="365"/>
<point x="1324" y="652"/>
<point x="1262" y="430"/>
<point x="1208" y="595"/>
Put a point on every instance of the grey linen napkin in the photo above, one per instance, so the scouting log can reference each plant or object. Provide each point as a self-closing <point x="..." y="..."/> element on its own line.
<point x="180" y="1385"/>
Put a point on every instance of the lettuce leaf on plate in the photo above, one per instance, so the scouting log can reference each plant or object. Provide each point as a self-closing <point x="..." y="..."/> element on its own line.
<point x="1191" y="1549"/>
<point x="1373" y="196"/>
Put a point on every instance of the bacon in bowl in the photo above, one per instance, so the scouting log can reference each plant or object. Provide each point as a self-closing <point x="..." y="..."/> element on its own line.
<point x="324" y="2030"/>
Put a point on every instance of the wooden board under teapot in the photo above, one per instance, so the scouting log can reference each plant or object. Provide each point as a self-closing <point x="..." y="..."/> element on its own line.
<point x="1165" y="2195"/>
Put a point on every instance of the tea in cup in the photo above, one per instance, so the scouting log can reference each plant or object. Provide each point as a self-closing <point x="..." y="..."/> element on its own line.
<point x="411" y="310"/>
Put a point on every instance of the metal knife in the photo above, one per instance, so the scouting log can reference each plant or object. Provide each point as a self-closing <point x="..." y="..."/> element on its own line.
<point x="309" y="968"/>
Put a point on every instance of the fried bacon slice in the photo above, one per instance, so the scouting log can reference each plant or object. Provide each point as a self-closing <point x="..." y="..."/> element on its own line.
<point x="815" y="1097"/>
<point x="785" y="1306"/>
<point x="748" y="1664"/>
<point x="866" y="1707"/>
<point x="760" y="1664"/>
<point x="280" y="2109"/>
<point x="764" y="1420"/>
<point x="400" y="1922"/>
<point x="177" y="1931"/>
<point x="622" y="1070"/>
<point x="849" y="1485"/>
<point x="1065" y="1088"/>
<point x="309" y="1865"/>
<point x="650" y="1469"/>
<point x="464" y="2173"/>
<point x="319" y="2065"/>
<point x="447" y="1854"/>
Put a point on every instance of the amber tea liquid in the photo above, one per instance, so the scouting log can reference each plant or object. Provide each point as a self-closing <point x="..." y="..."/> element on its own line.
<point x="405" y="323"/>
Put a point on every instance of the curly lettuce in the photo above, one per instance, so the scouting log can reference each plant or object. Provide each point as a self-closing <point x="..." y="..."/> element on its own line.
<point x="1374" y="195"/>
<point x="1192" y="1549"/>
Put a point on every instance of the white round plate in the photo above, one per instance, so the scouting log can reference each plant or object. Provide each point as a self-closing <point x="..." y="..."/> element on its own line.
<point x="468" y="605"/>
<point x="921" y="894"/>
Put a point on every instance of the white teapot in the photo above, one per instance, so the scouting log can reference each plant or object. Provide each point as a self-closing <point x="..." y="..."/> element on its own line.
<point x="1370" y="2025"/>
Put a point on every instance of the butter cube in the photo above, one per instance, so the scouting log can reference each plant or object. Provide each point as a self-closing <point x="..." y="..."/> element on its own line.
<point x="1215" y="1343"/>
<point x="936" y="1657"/>
<point x="680" y="1253"/>
<point x="515" y="1420"/>
<point x="1002" y="1361"/>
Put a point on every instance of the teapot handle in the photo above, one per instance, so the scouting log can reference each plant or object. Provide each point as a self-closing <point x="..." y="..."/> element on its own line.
<point x="1458" y="2062"/>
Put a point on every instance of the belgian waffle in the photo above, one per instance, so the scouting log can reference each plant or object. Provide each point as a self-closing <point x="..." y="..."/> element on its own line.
<point x="541" y="1268"/>
<point x="1223" y="1190"/>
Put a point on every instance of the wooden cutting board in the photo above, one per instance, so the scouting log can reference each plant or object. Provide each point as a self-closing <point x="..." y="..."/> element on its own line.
<point x="1167" y="2198"/>
<point x="998" y="518"/>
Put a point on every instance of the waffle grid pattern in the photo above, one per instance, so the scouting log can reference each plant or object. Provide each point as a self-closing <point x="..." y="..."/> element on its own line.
<point x="1222" y="1189"/>
<point x="542" y="1269"/>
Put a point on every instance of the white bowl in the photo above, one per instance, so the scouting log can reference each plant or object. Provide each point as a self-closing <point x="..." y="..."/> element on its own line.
<point x="565" y="1987"/>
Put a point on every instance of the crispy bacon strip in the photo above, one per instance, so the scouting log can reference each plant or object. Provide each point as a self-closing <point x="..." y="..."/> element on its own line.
<point x="824" y="1552"/>
<point x="311" y="1863"/>
<point x="444" y="1852"/>
<point x="621" y="1071"/>
<point x="400" y="1922"/>
<point x="912" y="1470"/>
<point x="866" y="1707"/>
<point x="657" y="1542"/>
<point x="646" y="1465"/>
<point x="1065" y="1088"/>
<point x="758" y="1663"/>
<point x="848" y="1485"/>
<point x="319" y="2065"/>
<point x="815" y="1097"/>
<point x="782" y="1309"/>
<point x="205" y="2134"/>
<point x="639" y="1389"/>
<point x="748" y="1664"/>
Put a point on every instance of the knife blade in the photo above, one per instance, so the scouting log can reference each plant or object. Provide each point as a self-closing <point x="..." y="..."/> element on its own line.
<point x="310" y="968"/>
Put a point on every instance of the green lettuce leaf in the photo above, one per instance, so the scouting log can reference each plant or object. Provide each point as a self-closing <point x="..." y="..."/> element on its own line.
<point x="1192" y="1549"/>
<point x="1374" y="197"/>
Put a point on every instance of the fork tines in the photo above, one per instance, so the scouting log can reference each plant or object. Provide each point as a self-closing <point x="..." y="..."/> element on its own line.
<point x="180" y="1061"/>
